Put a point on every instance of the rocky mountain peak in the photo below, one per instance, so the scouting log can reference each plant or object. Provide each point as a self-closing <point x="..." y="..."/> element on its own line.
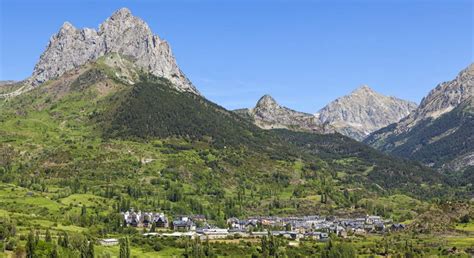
<point x="121" y="13"/>
<point x="67" y="27"/>
<point x="363" y="89"/>
<point x="266" y="101"/>
<point x="122" y="33"/>
<point x="363" y="111"/>
<point x="268" y="114"/>
<point x="446" y="96"/>
<point x="122" y="21"/>
<point x="442" y="124"/>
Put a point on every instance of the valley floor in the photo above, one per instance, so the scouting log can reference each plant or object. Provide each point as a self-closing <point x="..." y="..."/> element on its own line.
<point x="26" y="208"/>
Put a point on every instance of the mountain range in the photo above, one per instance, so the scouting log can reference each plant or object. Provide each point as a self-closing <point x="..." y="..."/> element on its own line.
<point x="122" y="83"/>
<point x="108" y="139"/>
<point x="268" y="114"/>
<point x="440" y="132"/>
<point x="356" y="115"/>
<point x="126" y="45"/>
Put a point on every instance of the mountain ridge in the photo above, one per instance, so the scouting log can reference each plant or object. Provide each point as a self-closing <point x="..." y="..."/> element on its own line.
<point x="121" y="33"/>
<point x="96" y="103"/>
<point x="363" y="111"/>
<point x="354" y="115"/>
<point x="439" y="131"/>
<point x="269" y="114"/>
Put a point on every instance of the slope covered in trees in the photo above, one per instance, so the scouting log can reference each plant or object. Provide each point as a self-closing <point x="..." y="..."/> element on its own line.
<point x="83" y="148"/>
<point x="440" y="142"/>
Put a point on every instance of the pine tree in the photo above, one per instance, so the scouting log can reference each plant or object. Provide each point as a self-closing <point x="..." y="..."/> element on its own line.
<point x="65" y="240"/>
<point x="273" y="245"/>
<point x="208" y="248"/>
<point x="60" y="240"/>
<point x="83" y="249"/>
<point x="83" y="217"/>
<point x="264" y="246"/>
<point x="186" y="248"/>
<point x="37" y="237"/>
<point x="90" y="250"/>
<point x="128" y="247"/>
<point x="30" y="245"/>
<point x="48" y="238"/>
<point x="54" y="252"/>
<point x="124" y="248"/>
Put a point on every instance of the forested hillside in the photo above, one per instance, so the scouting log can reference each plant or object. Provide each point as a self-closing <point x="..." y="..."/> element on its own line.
<point x="445" y="142"/>
<point x="88" y="145"/>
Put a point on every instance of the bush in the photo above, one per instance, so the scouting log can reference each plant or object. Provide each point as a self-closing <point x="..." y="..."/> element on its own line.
<point x="465" y="219"/>
<point x="157" y="247"/>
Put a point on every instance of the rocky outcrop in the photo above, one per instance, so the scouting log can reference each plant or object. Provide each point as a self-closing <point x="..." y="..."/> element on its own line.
<point x="123" y="34"/>
<point x="363" y="111"/>
<point x="268" y="114"/>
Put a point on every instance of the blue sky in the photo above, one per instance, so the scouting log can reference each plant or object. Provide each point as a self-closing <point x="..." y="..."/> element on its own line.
<point x="303" y="53"/>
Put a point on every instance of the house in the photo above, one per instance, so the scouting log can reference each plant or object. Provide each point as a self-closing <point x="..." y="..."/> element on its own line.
<point x="144" y="219"/>
<point x="184" y="224"/>
<point x="379" y="227"/>
<point x="131" y="218"/>
<point x="109" y="242"/>
<point x="323" y="236"/>
<point x="235" y="223"/>
<point x="372" y="219"/>
<point x="397" y="227"/>
<point x="160" y="220"/>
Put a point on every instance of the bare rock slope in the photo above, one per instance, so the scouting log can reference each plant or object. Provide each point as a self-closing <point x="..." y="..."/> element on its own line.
<point x="268" y="114"/>
<point x="355" y="115"/>
<point x="363" y="112"/>
<point x="122" y="33"/>
<point x="440" y="132"/>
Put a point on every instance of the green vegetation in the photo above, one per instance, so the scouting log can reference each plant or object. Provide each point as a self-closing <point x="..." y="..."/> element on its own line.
<point x="77" y="151"/>
<point x="435" y="141"/>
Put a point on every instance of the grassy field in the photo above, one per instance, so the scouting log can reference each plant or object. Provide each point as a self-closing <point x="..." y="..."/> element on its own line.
<point x="113" y="251"/>
<point x="468" y="227"/>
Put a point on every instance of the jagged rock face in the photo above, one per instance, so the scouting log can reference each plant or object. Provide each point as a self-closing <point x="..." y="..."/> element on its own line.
<point x="439" y="132"/>
<point x="444" y="98"/>
<point x="122" y="33"/>
<point x="363" y="111"/>
<point x="268" y="114"/>
<point x="355" y="115"/>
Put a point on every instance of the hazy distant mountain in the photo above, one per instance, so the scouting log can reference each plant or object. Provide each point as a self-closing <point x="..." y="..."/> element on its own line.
<point x="122" y="33"/>
<point x="268" y="114"/>
<point x="6" y="82"/>
<point x="440" y="132"/>
<point x="363" y="111"/>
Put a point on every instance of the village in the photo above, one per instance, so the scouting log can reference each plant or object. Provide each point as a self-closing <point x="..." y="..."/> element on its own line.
<point x="313" y="227"/>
